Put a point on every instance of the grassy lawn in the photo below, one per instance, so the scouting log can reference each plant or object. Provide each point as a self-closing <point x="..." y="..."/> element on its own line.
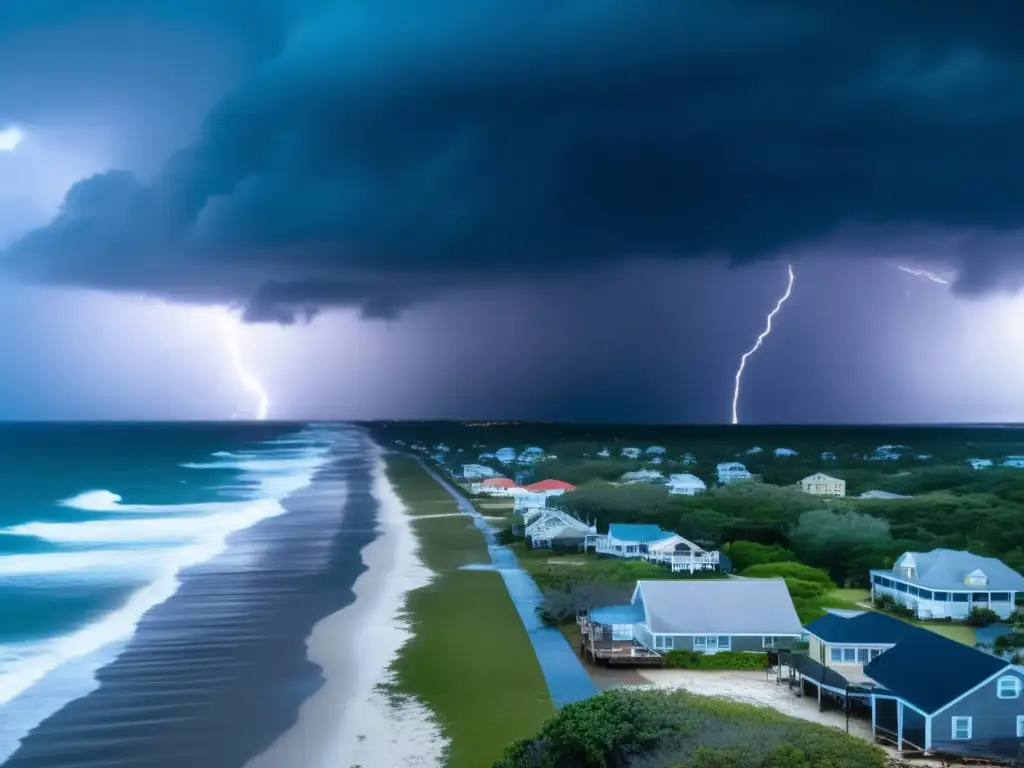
<point x="848" y="598"/>
<point x="471" y="661"/>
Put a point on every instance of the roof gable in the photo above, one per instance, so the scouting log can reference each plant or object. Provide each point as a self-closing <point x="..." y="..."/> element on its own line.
<point x="550" y="485"/>
<point x="930" y="671"/>
<point x="868" y="627"/>
<point x="639" y="532"/>
<point x="725" y="606"/>
<point x="949" y="569"/>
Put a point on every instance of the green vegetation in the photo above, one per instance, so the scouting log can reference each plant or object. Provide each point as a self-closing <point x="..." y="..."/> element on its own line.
<point x="461" y="620"/>
<point x="571" y="582"/>
<point x="655" y="729"/>
<point x="721" y="660"/>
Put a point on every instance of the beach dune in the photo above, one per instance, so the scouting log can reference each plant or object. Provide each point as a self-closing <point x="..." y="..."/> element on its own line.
<point x="350" y="722"/>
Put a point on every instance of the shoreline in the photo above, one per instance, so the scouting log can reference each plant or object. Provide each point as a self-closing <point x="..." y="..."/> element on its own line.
<point x="214" y="675"/>
<point x="354" y="719"/>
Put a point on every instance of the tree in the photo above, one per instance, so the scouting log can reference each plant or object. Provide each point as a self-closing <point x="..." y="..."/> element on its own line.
<point x="843" y="542"/>
<point x="747" y="553"/>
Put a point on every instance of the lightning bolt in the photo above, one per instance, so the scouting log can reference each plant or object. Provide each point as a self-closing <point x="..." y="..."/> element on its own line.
<point x="941" y="281"/>
<point x="228" y="324"/>
<point x="923" y="273"/>
<point x="757" y="345"/>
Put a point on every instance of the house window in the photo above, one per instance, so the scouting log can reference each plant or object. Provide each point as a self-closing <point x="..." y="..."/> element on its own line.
<point x="668" y="642"/>
<point x="862" y="655"/>
<point x="712" y="642"/>
<point x="940" y="596"/>
<point x="925" y="594"/>
<point x="959" y="597"/>
<point x="900" y="586"/>
<point x="1020" y="726"/>
<point x="849" y="655"/>
<point x="875" y="652"/>
<point x="767" y="641"/>
<point x="961" y="728"/>
<point x="835" y="654"/>
<point x="1008" y="687"/>
<point x="1000" y="597"/>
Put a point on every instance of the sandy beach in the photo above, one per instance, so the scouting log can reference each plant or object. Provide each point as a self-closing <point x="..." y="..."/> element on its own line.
<point x="350" y="722"/>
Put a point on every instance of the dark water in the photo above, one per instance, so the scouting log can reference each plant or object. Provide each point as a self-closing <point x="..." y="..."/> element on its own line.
<point x="213" y="672"/>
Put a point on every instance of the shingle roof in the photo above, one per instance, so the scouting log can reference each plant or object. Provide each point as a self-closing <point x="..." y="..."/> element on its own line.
<point x="551" y="485"/>
<point x="617" y="614"/>
<point x="499" y="482"/>
<point x="931" y="670"/>
<point x="868" y="627"/>
<point x="720" y="607"/>
<point x="642" y="533"/>
<point x="946" y="569"/>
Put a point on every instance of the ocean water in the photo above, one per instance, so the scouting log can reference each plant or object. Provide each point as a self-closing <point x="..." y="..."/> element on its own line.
<point x="98" y="522"/>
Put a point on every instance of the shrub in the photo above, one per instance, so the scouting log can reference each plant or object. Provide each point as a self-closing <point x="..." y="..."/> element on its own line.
<point x="792" y="570"/>
<point x="747" y="553"/>
<point x="721" y="660"/>
<point x="625" y="728"/>
<point x="981" y="617"/>
<point x="504" y="535"/>
<point x="804" y="590"/>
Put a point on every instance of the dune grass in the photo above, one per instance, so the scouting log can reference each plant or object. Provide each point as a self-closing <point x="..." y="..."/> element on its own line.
<point x="471" y="661"/>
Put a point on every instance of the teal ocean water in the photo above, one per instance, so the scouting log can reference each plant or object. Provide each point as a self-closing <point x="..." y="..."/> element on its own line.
<point x="97" y="522"/>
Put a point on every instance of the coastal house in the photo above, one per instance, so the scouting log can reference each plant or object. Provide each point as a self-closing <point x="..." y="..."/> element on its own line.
<point x="642" y="476"/>
<point x="651" y="543"/>
<point x="536" y="495"/>
<point x="631" y="453"/>
<point x="689" y="459"/>
<point x="505" y="455"/>
<point x="530" y="455"/>
<point x="494" y="486"/>
<point x="925" y="692"/>
<point x="655" y="450"/>
<point x="554" y="529"/>
<point x="980" y="463"/>
<point x="703" y="615"/>
<point x="946" y="583"/>
<point x="1014" y="461"/>
<point x="820" y="484"/>
<point x="882" y="495"/>
<point x="785" y="452"/>
<point x="685" y="484"/>
<point x="478" y="472"/>
<point x="731" y="471"/>
<point x="888" y="452"/>
<point x="828" y="456"/>
<point x="755" y="449"/>
<point x="604" y="453"/>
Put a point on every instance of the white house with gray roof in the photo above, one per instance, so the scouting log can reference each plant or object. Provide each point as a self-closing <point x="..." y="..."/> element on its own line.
<point x="685" y="484"/>
<point x="730" y="471"/>
<point x="705" y="615"/>
<point x="946" y="583"/>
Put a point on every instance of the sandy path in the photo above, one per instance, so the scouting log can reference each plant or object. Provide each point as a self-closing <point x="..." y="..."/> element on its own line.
<point x="754" y="688"/>
<point x="350" y="722"/>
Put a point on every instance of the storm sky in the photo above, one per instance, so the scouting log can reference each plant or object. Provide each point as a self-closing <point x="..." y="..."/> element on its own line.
<point x="557" y="209"/>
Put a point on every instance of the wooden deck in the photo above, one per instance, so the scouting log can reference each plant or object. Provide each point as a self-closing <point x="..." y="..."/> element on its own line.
<point x="597" y="647"/>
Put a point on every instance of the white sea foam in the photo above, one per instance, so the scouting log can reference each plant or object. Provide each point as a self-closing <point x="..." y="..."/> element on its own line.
<point x="39" y="678"/>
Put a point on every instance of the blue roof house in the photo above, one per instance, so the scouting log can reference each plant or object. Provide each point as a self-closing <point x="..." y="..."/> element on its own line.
<point x="649" y="542"/>
<point x="926" y="692"/>
<point x="706" y="615"/>
<point x="946" y="583"/>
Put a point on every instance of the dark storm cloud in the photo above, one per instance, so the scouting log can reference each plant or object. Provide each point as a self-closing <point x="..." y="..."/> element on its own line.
<point x="384" y="150"/>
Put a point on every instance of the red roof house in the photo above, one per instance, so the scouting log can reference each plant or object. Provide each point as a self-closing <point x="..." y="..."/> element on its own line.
<point x="498" y="482"/>
<point x="550" y="485"/>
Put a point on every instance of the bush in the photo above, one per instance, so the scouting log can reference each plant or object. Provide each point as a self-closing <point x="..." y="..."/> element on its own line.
<point x="504" y="535"/>
<point x="896" y="608"/>
<point x="981" y="617"/>
<point x="625" y="728"/>
<point x="805" y="590"/>
<point x="790" y="570"/>
<point x="721" y="660"/>
<point x="747" y="553"/>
